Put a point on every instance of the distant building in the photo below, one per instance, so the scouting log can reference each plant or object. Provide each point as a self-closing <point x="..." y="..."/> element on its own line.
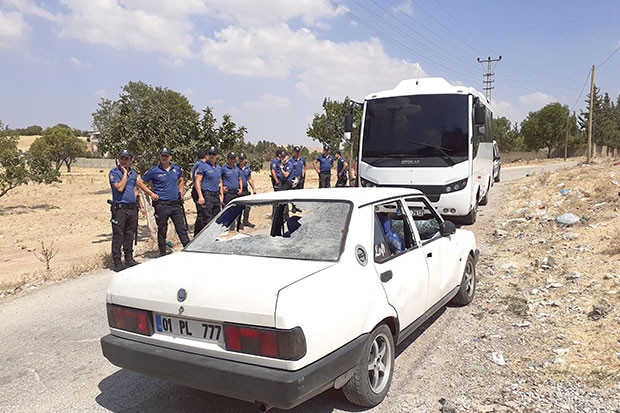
<point x="93" y="141"/>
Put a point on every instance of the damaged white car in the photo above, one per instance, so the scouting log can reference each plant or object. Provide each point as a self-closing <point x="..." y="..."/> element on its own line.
<point x="302" y="302"/>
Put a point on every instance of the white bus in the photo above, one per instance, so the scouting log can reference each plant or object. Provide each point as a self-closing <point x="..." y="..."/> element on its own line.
<point x="430" y="135"/>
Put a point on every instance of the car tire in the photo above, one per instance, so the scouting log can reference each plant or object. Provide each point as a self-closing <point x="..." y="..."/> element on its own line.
<point x="485" y="199"/>
<point x="373" y="375"/>
<point x="468" y="284"/>
<point x="497" y="177"/>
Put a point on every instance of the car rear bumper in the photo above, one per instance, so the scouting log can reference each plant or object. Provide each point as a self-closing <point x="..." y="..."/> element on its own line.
<point x="275" y="388"/>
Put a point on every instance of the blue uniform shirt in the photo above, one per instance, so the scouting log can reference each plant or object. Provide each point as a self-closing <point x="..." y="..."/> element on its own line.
<point x="196" y="166"/>
<point x="128" y="195"/>
<point x="276" y="165"/>
<point x="211" y="176"/>
<point x="325" y="162"/>
<point x="230" y="177"/>
<point x="165" y="183"/>
<point x="340" y="166"/>
<point x="297" y="167"/>
<point x="246" y="172"/>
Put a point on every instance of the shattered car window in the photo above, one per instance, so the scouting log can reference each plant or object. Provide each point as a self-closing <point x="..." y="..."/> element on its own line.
<point x="308" y="230"/>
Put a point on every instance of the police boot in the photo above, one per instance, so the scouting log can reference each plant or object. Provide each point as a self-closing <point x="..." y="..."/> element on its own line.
<point x="118" y="265"/>
<point x="129" y="261"/>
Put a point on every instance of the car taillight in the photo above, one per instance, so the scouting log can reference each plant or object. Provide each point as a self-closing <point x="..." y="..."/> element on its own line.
<point x="267" y="342"/>
<point x="130" y="319"/>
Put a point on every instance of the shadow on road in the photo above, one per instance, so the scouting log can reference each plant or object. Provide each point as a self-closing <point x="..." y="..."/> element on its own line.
<point x="126" y="391"/>
<point x="417" y="333"/>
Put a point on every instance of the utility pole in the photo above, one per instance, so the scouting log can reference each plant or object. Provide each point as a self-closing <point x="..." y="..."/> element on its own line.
<point x="488" y="81"/>
<point x="590" y="116"/>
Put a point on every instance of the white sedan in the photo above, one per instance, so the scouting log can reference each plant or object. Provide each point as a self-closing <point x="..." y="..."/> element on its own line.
<point x="314" y="296"/>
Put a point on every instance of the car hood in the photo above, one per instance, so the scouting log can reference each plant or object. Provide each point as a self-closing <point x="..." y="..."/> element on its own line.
<point x="232" y="288"/>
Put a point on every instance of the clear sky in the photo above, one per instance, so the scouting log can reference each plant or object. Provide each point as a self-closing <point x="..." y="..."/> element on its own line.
<point x="270" y="63"/>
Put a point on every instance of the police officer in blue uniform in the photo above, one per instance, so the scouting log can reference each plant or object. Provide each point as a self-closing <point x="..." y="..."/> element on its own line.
<point x="125" y="205"/>
<point x="202" y="158"/>
<point x="231" y="178"/>
<point x="298" y="169"/>
<point x="323" y="167"/>
<point x="209" y="180"/>
<point x="246" y="179"/>
<point x="280" y="171"/>
<point x="342" y="169"/>
<point x="167" y="196"/>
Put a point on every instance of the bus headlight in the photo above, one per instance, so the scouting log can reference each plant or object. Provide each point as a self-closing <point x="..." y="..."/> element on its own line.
<point x="456" y="186"/>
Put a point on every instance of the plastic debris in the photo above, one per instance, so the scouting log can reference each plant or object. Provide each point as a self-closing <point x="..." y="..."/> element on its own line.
<point x="498" y="358"/>
<point x="567" y="219"/>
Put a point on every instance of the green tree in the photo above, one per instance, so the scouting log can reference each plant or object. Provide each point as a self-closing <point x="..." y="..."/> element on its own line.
<point x="328" y="127"/>
<point x="505" y="134"/>
<point x="59" y="145"/>
<point x="145" y="119"/>
<point x="17" y="168"/>
<point x="546" y="128"/>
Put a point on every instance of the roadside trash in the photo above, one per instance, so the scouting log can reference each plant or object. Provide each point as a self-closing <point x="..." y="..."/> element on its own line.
<point x="567" y="219"/>
<point x="498" y="358"/>
<point x="598" y="312"/>
<point x="169" y="244"/>
<point x="447" y="406"/>
<point x="564" y="191"/>
<point x="570" y="235"/>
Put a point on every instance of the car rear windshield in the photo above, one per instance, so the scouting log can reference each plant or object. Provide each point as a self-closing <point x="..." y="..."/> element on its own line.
<point x="306" y="230"/>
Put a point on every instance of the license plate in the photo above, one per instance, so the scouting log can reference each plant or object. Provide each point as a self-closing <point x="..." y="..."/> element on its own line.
<point x="189" y="328"/>
<point x="417" y="212"/>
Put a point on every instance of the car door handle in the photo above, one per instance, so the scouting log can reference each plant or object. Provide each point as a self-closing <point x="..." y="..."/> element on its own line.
<point x="386" y="276"/>
<point x="429" y="255"/>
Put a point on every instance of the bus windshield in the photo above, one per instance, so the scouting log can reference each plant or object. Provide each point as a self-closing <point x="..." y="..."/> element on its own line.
<point x="419" y="130"/>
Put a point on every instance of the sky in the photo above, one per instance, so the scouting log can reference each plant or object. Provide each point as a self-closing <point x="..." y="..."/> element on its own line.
<point x="271" y="63"/>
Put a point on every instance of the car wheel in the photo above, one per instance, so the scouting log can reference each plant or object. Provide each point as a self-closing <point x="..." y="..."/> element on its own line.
<point x="373" y="375"/>
<point x="468" y="284"/>
<point x="497" y="176"/>
<point x="485" y="198"/>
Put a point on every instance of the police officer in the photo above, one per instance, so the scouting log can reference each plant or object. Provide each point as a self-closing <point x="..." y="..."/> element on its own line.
<point x="167" y="196"/>
<point x="323" y="167"/>
<point x="125" y="205"/>
<point x="246" y="178"/>
<point x="202" y="158"/>
<point x="280" y="171"/>
<point x="209" y="180"/>
<point x="231" y="178"/>
<point x="298" y="169"/>
<point x="342" y="169"/>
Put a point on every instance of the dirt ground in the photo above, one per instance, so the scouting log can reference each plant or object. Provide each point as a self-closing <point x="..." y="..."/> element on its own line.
<point x="71" y="221"/>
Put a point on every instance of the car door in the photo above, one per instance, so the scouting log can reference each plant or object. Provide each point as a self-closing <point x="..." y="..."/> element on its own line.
<point x="403" y="271"/>
<point x="434" y="248"/>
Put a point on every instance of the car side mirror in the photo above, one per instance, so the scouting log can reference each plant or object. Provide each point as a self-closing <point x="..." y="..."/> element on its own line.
<point x="348" y="122"/>
<point x="480" y="115"/>
<point x="447" y="228"/>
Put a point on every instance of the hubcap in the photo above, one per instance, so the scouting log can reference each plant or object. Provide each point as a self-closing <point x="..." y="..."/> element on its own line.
<point x="469" y="278"/>
<point x="379" y="363"/>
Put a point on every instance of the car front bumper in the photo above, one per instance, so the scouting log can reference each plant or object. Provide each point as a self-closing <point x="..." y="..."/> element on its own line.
<point x="256" y="384"/>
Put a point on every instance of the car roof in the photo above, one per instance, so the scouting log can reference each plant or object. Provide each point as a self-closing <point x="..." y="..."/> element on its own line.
<point x="358" y="196"/>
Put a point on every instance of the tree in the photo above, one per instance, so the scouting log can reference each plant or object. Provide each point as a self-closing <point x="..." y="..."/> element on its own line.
<point x="328" y="128"/>
<point x="58" y="144"/>
<point x="505" y="134"/>
<point x="145" y="119"/>
<point x="17" y="168"/>
<point x="546" y="128"/>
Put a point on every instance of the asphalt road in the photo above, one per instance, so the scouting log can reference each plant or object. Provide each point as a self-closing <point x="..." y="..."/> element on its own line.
<point x="51" y="360"/>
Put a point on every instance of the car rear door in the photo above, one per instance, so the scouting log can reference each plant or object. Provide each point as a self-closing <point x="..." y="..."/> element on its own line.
<point x="403" y="271"/>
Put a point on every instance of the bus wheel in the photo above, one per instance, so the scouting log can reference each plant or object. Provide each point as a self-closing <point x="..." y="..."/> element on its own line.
<point x="470" y="218"/>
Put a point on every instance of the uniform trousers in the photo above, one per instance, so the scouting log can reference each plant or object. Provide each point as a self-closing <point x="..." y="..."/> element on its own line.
<point x="124" y="226"/>
<point x="172" y="210"/>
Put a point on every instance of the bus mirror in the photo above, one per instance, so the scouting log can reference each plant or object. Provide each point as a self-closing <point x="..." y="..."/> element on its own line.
<point x="348" y="122"/>
<point x="480" y="115"/>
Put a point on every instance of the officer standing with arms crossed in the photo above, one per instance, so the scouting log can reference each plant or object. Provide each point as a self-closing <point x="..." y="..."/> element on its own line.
<point x="231" y="179"/>
<point x="298" y="169"/>
<point x="246" y="178"/>
<point x="209" y="180"/>
<point x="167" y="196"/>
<point x="323" y="167"/>
<point x="125" y="204"/>
<point x="280" y="171"/>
